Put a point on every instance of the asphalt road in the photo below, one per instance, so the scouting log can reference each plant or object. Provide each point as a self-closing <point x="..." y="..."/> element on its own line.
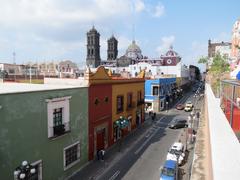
<point x="145" y="157"/>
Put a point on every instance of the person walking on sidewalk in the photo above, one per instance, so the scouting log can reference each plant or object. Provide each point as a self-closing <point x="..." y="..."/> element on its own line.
<point x="98" y="154"/>
<point x="154" y="116"/>
<point x="102" y="154"/>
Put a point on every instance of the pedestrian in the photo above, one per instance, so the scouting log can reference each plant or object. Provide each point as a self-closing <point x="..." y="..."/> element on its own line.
<point x="102" y="154"/>
<point x="154" y="116"/>
<point x="98" y="154"/>
<point x="194" y="135"/>
<point x="149" y="113"/>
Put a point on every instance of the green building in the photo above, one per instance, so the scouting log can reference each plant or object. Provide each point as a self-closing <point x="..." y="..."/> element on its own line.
<point x="46" y="125"/>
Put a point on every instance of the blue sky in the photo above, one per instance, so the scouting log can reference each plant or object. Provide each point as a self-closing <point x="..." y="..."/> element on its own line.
<point x="46" y="30"/>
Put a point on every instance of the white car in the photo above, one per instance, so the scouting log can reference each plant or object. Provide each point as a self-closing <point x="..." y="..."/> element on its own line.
<point x="176" y="153"/>
<point x="188" y="106"/>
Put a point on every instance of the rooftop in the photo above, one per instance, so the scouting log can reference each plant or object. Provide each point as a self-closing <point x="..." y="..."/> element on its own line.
<point x="9" y="88"/>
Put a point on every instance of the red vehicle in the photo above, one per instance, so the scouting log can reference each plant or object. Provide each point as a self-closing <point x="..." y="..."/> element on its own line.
<point x="180" y="106"/>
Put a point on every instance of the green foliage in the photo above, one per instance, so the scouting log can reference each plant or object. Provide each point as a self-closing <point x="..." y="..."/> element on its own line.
<point x="217" y="69"/>
<point x="203" y="60"/>
<point x="219" y="64"/>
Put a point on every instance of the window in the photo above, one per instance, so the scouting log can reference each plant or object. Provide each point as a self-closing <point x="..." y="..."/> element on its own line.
<point x="106" y="99"/>
<point x="119" y="104"/>
<point x="139" y="95"/>
<point x="96" y="102"/>
<point x="11" y="71"/>
<point x="58" y="116"/>
<point x="155" y="90"/>
<point x="38" y="166"/>
<point x="140" y="101"/>
<point x="129" y="100"/>
<point x="71" y="155"/>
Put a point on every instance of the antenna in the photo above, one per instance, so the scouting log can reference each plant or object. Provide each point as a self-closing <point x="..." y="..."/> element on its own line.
<point x="14" y="63"/>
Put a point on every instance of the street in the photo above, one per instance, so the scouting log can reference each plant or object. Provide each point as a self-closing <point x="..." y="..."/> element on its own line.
<point x="144" y="152"/>
<point x="144" y="159"/>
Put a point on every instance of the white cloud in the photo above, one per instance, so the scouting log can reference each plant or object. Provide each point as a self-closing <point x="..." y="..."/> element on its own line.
<point x="139" y="6"/>
<point x="59" y="12"/>
<point x="159" y="10"/>
<point x="57" y="28"/>
<point x="166" y="42"/>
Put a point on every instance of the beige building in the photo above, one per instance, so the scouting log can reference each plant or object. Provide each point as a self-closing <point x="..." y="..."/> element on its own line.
<point x="235" y="39"/>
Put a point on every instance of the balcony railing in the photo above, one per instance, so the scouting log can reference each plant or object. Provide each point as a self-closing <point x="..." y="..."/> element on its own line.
<point x="60" y="129"/>
<point x="131" y="106"/>
<point x="140" y="102"/>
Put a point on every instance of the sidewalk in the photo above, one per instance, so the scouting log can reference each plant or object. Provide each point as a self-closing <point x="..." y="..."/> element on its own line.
<point x="95" y="168"/>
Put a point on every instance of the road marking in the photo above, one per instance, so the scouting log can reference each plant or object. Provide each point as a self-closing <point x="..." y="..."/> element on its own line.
<point x="149" y="138"/>
<point x="115" y="175"/>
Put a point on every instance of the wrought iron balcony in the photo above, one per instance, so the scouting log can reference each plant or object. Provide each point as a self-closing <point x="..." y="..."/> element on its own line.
<point x="131" y="106"/>
<point x="59" y="130"/>
<point x="140" y="102"/>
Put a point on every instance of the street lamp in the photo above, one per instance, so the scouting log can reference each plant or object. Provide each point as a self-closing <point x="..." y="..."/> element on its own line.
<point x="191" y="118"/>
<point x="121" y="123"/>
<point x="25" y="171"/>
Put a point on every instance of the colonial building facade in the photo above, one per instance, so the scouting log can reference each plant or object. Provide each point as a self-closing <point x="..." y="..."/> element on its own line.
<point x="160" y="93"/>
<point x="49" y="130"/>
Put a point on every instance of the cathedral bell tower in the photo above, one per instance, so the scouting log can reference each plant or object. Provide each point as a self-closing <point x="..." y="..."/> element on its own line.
<point x="93" y="48"/>
<point x="112" y="50"/>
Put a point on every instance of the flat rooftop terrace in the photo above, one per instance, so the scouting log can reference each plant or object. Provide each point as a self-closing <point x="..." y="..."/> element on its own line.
<point x="11" y="88"/>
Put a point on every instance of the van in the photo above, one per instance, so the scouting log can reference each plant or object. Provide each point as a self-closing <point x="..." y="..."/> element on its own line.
<point x="169" y="170"/>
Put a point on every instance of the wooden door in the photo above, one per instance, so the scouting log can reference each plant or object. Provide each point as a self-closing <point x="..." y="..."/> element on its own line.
<point x="100" y="139"/>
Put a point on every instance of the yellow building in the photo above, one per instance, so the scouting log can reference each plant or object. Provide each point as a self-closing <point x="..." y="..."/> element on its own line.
<point x="127" y="104"/>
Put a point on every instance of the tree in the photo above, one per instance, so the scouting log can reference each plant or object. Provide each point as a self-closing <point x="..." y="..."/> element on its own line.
<point x="217" y="69"/>
<point x="203" y="60"/>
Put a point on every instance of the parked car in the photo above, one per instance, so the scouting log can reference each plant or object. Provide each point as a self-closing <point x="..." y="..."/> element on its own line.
<point x="188" y="106"/>
<point x="176" y="153"/>
<point x="169" y="171"/>
<point x="178" y="123"/>
<point x="180" y="107"/>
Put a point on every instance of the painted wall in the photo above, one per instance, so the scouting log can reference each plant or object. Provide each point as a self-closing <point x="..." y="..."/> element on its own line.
<point x="162" y="83"/>
<point x="24" y="132"/>
<point x="100" y="114"/>
<point x="124" y="89"/>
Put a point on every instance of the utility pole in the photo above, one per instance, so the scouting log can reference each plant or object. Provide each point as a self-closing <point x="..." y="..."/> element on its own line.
<point x="30" y="71"/>
<point x="14" y="63"/>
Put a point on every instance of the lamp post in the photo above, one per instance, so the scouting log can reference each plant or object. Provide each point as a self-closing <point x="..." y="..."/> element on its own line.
<point x="121" y="123"/>
<point x="25" y="171"/>
<point x="191" y="118"/>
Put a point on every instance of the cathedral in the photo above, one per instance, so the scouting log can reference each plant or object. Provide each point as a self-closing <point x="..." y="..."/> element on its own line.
<point x="133" y="53"/>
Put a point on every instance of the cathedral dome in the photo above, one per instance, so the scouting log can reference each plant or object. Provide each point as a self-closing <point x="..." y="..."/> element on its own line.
<point x="134" y="51"/>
